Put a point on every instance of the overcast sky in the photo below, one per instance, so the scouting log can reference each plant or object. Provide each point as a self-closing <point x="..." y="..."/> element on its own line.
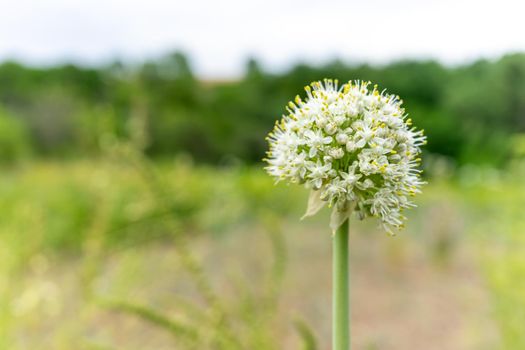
<point x="218" y="35"/>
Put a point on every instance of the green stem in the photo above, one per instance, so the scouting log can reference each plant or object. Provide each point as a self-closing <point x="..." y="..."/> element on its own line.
<point x="340" y="290"/>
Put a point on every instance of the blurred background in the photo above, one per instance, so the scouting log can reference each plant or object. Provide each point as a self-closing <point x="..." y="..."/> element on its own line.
<point x="136" y="214"/>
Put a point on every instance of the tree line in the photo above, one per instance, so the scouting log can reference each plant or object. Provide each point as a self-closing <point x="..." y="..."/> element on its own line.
<point x="471" y="113"/>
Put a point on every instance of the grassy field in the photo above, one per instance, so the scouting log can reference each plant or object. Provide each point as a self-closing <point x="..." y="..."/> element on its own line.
<point x="124" y="254"/>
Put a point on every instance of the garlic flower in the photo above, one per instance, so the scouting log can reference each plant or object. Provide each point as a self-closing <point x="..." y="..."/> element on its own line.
<point x="354" y="147"/>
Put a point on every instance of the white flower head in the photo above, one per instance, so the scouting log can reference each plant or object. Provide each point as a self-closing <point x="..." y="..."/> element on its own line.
<point x="354" y="147"/>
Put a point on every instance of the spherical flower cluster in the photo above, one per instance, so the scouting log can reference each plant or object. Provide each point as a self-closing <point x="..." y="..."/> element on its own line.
<point x="354" y="147"/>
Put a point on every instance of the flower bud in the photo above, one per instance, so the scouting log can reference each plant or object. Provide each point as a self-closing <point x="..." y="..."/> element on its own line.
<point x="341" y="138"/>
<point x="330" y="128"/>
<point x="336" y="153"/>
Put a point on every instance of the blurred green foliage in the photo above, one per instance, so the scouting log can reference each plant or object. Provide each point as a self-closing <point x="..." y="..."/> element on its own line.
<point x="90" y="212"/>
<point x="62" y="202"/>
<point x="15" y="143"/>
<point x="496" y="203"/>
<point x="86" y="220"/>
<point x="468" y="111"/>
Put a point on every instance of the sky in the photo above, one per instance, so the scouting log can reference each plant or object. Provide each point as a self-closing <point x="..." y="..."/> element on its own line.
<point x="219" y="35"/>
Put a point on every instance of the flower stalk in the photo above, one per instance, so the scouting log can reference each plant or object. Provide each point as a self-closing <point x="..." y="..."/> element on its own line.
<point x="340" y="290"/>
